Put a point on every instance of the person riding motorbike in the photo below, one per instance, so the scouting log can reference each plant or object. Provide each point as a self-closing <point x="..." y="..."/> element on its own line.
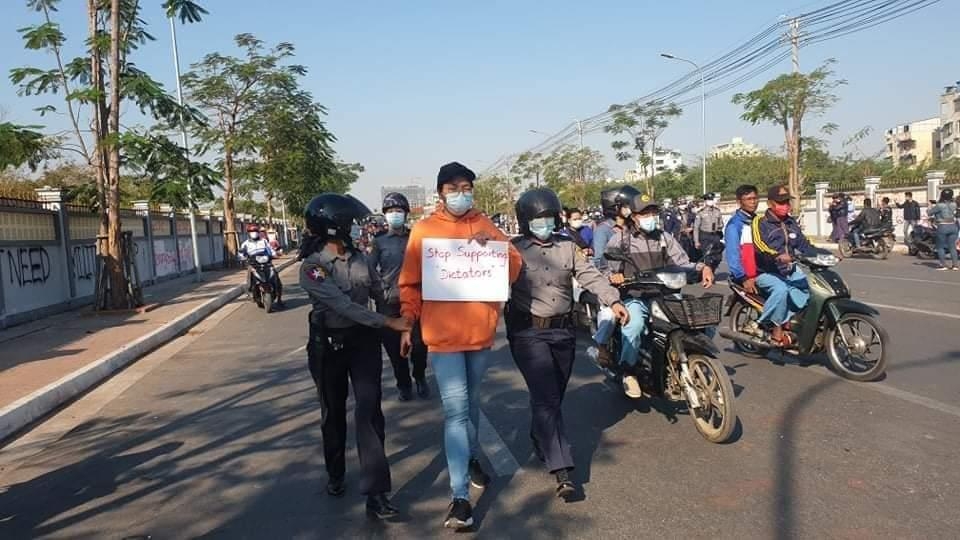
<point x="777" y="238"/>
<point x="649" y="248"/>
<point x="257" y="245"/>
<point x="868" y="219"/>
<point x="738" y="239"/>
<point x="616" y="211"/>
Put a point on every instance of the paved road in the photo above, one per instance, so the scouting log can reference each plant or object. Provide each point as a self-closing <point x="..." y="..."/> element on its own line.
<point x="216" y="436"/>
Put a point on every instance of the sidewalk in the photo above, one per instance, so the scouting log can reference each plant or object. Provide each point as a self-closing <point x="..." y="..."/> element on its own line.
<point x="47" y="362"/>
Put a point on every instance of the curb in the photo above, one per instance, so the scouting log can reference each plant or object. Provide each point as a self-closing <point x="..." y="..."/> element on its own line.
<point x="897" y="248"/>
<point x="38" y="404"/>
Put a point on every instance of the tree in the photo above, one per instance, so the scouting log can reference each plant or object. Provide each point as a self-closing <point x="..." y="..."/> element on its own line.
<point x="638" y="126"/>
<point x="104" y="80"/>
<point x="232" y="91"/>
<point x="568" y="165"/>
<point x="785" y="101"/>
<point x="23" y="145"/>
<point x="529" y="165"/>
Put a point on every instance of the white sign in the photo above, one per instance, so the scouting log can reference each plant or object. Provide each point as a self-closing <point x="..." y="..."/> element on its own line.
<point x="458" y="270"/>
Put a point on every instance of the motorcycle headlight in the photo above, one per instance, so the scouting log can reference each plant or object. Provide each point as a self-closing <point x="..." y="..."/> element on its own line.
<point x="673" y="280"/>
<point x="826" y="259"/>
<point x="263" y="259"/>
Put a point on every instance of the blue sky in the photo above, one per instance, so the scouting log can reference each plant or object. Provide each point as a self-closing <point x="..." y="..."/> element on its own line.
<point x="412" y="85"/>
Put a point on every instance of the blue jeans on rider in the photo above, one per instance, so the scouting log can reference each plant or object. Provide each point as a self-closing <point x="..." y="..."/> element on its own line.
<point x="785" y="295"/>
<point x="855" y="236"/>
<point x="458" y="378"/>
<point x="632" y="332"/>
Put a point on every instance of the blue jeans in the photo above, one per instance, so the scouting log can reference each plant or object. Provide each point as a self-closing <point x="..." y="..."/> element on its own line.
<point x="632" y="332"/>
<point x="458" y="377"/>
<point x="784" y="296"/>
<point x="947" y="242"/>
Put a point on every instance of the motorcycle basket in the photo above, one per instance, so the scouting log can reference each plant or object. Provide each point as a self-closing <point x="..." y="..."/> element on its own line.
<point x="693" y="311"/>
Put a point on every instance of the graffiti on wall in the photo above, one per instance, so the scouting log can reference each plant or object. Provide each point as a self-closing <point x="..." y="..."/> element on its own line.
<point x="84" y="261"/>
<point x="27" y="265"/>
<point x="164" y="258"/>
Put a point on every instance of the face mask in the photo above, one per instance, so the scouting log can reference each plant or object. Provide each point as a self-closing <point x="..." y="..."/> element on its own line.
<point x="396" y="219"/>
<point x="576" y="223"/>
<point x="647" y="223"/>
<point x="711" y="203"/>
<point x="254" y="235"/>
<point x="781" y="210"/>
<point x="625" y="212"/>
<point x="542" y="228"/>
<point x="459" y="203"/>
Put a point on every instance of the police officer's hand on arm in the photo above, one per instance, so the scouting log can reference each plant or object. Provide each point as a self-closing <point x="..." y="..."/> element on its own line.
<point x="398" y="324"/>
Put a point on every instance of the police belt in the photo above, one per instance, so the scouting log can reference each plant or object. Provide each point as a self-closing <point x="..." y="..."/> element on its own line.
<point x="704" y="231"/>
<point x="523" y="321"/>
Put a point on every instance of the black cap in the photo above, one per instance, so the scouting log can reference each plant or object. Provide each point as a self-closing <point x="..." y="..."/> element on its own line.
<point x="453" y="170"/>
<point x="779" y="193"/>
<point x="643" y="202"/>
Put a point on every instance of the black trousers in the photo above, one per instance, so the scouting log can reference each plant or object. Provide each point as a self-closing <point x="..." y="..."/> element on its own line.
<point x="401" y="366"/>
<point x="333" y="358"/>
<point x="708" y="239"/>
<point x="545" y="358"/>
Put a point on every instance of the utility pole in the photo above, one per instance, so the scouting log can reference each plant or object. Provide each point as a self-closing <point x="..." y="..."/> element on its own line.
<point x="582" y="167"/>
<point x="795" y="43"/>
<point x="183" y="137"/>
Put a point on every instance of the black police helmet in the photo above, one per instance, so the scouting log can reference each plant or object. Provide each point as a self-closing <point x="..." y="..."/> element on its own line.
<point x="537" y="203"/>
<point x="331" y="215"/>
<point x="395" y="200"/>
<point x="612" y="199"/>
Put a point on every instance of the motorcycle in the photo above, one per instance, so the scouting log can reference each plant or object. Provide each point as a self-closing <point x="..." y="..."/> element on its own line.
<point x="846" y="330"/>
<point x="678" y="362"/>
<point x="923" y="242"/>
<point x="877" y="242"/>
<point x="264" y="274"/>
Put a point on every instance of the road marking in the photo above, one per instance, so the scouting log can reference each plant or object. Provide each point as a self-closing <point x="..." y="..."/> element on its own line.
<point x="914" y="398"/>
<point x="908" y="279"/>
<point x="920" y="311"/>
<point x="502" y="460"/>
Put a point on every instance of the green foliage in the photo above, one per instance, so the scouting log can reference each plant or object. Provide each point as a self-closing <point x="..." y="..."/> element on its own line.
<point x="637" y="127"/>
<point x="23" y="145"/>
<point x="569" y="165"/>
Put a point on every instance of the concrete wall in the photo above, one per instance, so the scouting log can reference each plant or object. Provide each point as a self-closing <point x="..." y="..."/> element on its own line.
<point x="33" y="276"/>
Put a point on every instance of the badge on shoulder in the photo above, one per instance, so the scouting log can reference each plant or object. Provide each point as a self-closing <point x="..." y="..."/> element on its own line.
<point x="316" y="274"/>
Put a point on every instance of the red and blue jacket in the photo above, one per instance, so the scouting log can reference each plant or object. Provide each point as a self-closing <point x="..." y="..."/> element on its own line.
<point x="738" y="247"/>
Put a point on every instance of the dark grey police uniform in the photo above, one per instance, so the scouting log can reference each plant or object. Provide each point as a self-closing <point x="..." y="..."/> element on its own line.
<point x="542" y="337"/>
<point x="341" y="347"/>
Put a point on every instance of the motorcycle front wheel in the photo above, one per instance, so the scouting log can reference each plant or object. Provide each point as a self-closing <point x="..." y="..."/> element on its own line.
<point x="857" y="347"/>
<point x="715" y="419"/>
<point x="268" y="301"/>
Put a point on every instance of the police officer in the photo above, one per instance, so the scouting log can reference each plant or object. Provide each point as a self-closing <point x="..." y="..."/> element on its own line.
<point x="338" y="280"/>
<point x="708" y="225"/>
<point x="670" y="219"/>
<point x="386" y="258"/>
<point x="540" y="323"/>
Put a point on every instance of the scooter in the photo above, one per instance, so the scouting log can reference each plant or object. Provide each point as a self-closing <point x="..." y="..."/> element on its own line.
<point x="265" y="290"/>
<point x="678" y="362"/>
<point x="848" y="331"/>
<point x="923" y="242"/>
<point x="877" y="242"/>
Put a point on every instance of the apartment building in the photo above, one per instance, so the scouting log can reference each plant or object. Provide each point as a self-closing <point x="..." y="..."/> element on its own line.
<point x="950" y="122"/>
<point x="908" y="145"/>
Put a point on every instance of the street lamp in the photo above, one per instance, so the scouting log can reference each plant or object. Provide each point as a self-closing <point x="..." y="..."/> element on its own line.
<point x="703" y="111"/>
<point x="183" y="138"/>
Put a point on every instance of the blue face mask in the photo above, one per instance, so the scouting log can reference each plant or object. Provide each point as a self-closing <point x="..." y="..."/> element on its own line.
<point x="542" y="228"/>
<point x="459" y="203"/>
<point x="396" y="219"/>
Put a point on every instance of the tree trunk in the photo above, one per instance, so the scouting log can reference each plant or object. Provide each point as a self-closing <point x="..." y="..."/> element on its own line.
<point x="99" y="161"/>
<point x="119" y="297"/>
<point x="229" y="228"/>
<point x="269" y="197"/>
<point x="794" y="156"/>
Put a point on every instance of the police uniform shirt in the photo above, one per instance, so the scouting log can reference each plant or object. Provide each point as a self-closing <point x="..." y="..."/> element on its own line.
<point x="340" y="287"/>
<point x="708" y="220"/>
<point x="386" y="259"/>
<point x="545" y="286"/>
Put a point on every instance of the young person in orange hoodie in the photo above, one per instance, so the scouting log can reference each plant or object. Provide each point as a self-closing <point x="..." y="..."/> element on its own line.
<point x="458" y="335"/>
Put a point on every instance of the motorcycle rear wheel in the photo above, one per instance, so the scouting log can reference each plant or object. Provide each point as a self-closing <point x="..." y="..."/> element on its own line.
<point x="716" y="418"/>
<point x="740" y="314"/>
<point x="854" y="364"/>
<point x="268" y="301"/>
<point x="884" y="247"/>
<point x="844" y="247"/>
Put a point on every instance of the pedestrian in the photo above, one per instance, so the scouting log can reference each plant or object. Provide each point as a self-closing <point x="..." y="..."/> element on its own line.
<point x="575" y="229"/>
<point x="540" y="328"/>
<point x="337" y="278"/>
<point x="886" y="213"/>
<point x="386" y="259"/>
<point x="911" y="215"/>
<point x="458" y="334"/>
<point x="943" y="216"/>
<point x="707" y="226"/>
<point x="838" y="218"/>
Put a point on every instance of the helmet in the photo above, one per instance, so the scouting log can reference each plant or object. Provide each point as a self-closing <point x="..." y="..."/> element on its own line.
<point x="540" y="202"/>
<point x="946" y="195"/>
<point x="331" y="215"/>
<point x="612" y="199"/>
<point x="639" y="203"/>
<point x="253" y="227"/>
<point x="395" y="200"/>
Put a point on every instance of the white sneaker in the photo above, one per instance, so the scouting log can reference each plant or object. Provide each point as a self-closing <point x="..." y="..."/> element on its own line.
<point x="631" y="387"/>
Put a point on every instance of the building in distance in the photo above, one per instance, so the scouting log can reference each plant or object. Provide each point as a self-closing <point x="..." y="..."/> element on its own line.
<point x="908" y="145"/>
<point x="735" y="148"/>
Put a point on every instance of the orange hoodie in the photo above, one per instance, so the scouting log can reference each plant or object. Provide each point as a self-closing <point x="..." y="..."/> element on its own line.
<point x="451" y="326"/>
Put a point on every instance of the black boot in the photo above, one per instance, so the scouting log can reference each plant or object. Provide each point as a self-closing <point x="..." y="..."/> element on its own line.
<point x="565" y="486"/>
<point x="380" y="506"/>
<point x="336" y="487"/>
<point x="423" y="389"/>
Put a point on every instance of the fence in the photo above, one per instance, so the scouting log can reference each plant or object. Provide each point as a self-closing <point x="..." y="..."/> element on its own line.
<point x="48" y="253"/>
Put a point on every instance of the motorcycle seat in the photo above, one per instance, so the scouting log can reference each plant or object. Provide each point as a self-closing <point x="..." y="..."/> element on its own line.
<point x="878" y="231"/>
<point x="754" y="297"/>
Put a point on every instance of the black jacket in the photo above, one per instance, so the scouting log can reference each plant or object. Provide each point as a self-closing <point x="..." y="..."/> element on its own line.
<point x="868" y="218"/>
<point x="911" y="210"/>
